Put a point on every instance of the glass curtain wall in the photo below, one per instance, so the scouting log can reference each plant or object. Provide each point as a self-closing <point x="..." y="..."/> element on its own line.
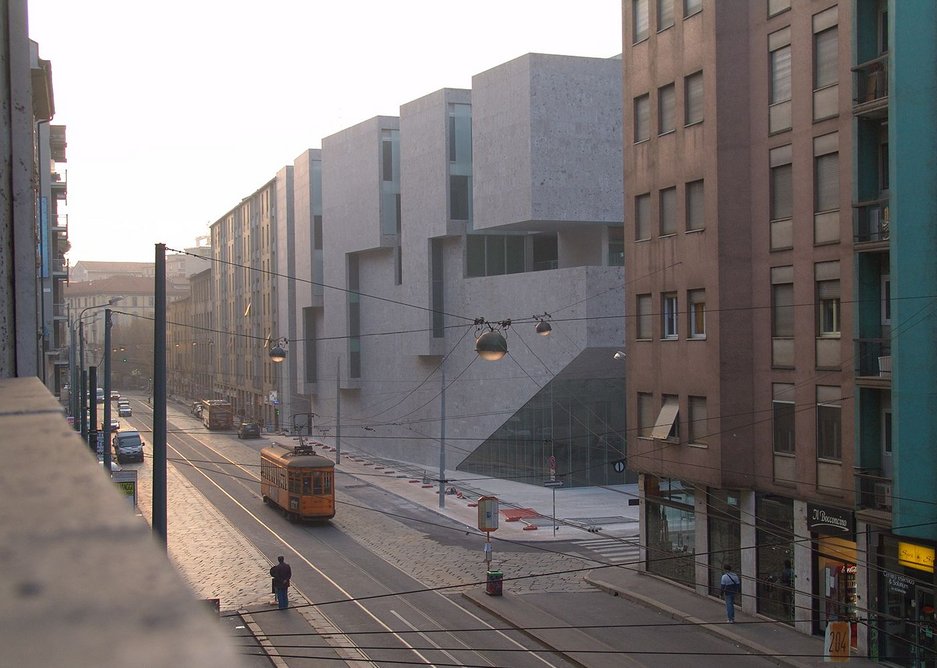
<point x="580" y="422"/>
<point x="724" y="523"/>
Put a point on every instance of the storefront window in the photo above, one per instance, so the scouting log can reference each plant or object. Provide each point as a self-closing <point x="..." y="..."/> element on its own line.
<point x="774" y="521"/>
<point x="906" y="628"/>
<point x="724" y="523"/>
<point x="836" y="581"/>
<point x="671" y="529"/>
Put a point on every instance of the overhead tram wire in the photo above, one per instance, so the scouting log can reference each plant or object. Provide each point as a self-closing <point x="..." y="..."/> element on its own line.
<point x="323" y="285"/>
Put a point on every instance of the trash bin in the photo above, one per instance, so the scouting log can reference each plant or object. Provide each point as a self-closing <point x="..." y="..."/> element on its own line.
<point x="493" y="585"/>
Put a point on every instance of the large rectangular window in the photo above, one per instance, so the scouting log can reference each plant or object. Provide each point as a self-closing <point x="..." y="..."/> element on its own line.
<point x="669" y="315"/>
<point x="668" y="211"/>
<point x="642" y="118"/>
<point x="828" y="303"/>
<point x="696" y="315"/>
<point x="664" y="14"/>
<point x="640" y="20"/>
<point x="642" y="217"/>
<point x="695" y="206"/>
<point x="666" y="109"/>
<point x="783" y="417"/>
<point x="309" y="345"/>
<point x="826" y="184"/>
<point x="829" y="436"/>
<point x="781" y="183"/>
<point x="693" y="99"/>
<point x="494" y="254"/>
<point x="691" y="7"/>
<point x="780" y="75"/>
<point x="697" y="420"/>
<point x="645" y="414"/>
<point x="616" y="246"/>
<point x="782" y="310"/>
<point x="825" y="58"/>
<point x="644" y="327"/>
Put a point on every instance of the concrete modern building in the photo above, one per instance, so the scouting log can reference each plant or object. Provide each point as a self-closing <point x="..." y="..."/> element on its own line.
<point x="378" y="259"/>
<point x="739" y="266"/>
<point x="472" y="209"/>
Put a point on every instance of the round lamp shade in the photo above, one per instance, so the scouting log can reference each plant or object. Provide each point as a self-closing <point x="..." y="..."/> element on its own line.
<point x="491" y="346"/>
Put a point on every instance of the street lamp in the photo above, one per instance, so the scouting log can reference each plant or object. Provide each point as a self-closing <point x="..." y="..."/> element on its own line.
<point x="543" y="327"/>
<point x="491" y="345"/>
<point x="78" y="402"/>
<point x="278" y="355"/>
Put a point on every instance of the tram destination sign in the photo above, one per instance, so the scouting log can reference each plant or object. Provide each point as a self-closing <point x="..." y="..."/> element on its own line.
<point x="830" y="520"/>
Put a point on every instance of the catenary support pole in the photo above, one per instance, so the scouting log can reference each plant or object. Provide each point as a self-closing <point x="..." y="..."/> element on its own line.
<point x="93" y="410"/>
<point x="338" y="410"/>
<point x="159" y="398"/>
<point x="442" y="437"/>
<point x="107" y="391"/>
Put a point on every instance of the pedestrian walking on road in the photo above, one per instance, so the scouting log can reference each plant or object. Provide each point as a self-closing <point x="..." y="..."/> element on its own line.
<point x="731" y="585"/>
<point x="281" y="574"/>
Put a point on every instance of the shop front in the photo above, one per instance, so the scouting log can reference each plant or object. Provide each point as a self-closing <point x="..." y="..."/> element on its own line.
<point x="774" y="523"/>
<point x="905" y="626"/>
<point x="835" y="569"/>
<point x="670" y="523"/>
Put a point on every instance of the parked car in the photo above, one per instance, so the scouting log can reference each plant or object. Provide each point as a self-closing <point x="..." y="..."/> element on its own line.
<point x="115" y="425"/>
<point x="249" y="430"/>
<point x="128" y="447"/>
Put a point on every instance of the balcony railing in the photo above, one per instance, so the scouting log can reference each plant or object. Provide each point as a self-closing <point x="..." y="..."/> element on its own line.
<point x="871" y="88"/>
<point x="873" y="358"/>
<point x="871" y="221"/>
<point x="873" y="490"/>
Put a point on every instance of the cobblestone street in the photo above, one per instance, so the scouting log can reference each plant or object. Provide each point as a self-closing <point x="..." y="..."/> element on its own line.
<point x="219" y="562"/>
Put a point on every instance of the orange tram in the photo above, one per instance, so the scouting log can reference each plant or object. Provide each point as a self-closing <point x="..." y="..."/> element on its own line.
<point x="298" y="482"/>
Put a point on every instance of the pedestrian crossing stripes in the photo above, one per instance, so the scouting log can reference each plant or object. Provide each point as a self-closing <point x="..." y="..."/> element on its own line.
<point x="625" y="550"/>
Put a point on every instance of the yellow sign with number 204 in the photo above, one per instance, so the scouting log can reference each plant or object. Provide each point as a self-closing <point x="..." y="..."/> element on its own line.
<point x="836" y="647"/>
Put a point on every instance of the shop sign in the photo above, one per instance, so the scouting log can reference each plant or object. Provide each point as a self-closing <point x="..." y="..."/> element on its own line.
<point x="829" y="520"/>
<point x="898" y="583"/>
<point x="836" y="647"/>
<point x="920" y="557"/>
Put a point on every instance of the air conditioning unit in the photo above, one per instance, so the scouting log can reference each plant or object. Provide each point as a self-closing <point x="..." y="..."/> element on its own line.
<point x="883" y="496"/>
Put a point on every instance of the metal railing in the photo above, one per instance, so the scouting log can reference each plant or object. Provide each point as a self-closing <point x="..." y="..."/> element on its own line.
<point x="870" y="91"/>
<point x="873" y="358"/>
<point x="873" y="490"/>
<point x="871" y="221"/>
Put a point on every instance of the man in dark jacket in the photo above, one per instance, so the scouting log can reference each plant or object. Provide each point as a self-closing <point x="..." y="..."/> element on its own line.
<point x="281" y="574"/>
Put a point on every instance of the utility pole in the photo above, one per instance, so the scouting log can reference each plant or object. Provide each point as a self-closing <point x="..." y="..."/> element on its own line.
<point x="159" y="398"/>
<point x="107" y="391"/>
<point x="83" y="396"/>
<point x="442" y="437"/>
<point x="338" y="410"/>
<point x="93" y="412"/>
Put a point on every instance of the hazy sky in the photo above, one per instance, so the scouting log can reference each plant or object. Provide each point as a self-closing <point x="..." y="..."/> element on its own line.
<point x="178" y="109"/>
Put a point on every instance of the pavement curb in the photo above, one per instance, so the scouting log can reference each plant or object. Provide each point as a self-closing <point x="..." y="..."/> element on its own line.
<point x="269" y="650"/>
<point x="709" y="627"/>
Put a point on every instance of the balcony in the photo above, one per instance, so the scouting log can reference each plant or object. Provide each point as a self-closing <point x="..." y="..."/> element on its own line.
<point x="873" y="362"/>
<point x="873" y="491"/>
<point x="871" y="223"/>
<point x="870" y="88"/>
